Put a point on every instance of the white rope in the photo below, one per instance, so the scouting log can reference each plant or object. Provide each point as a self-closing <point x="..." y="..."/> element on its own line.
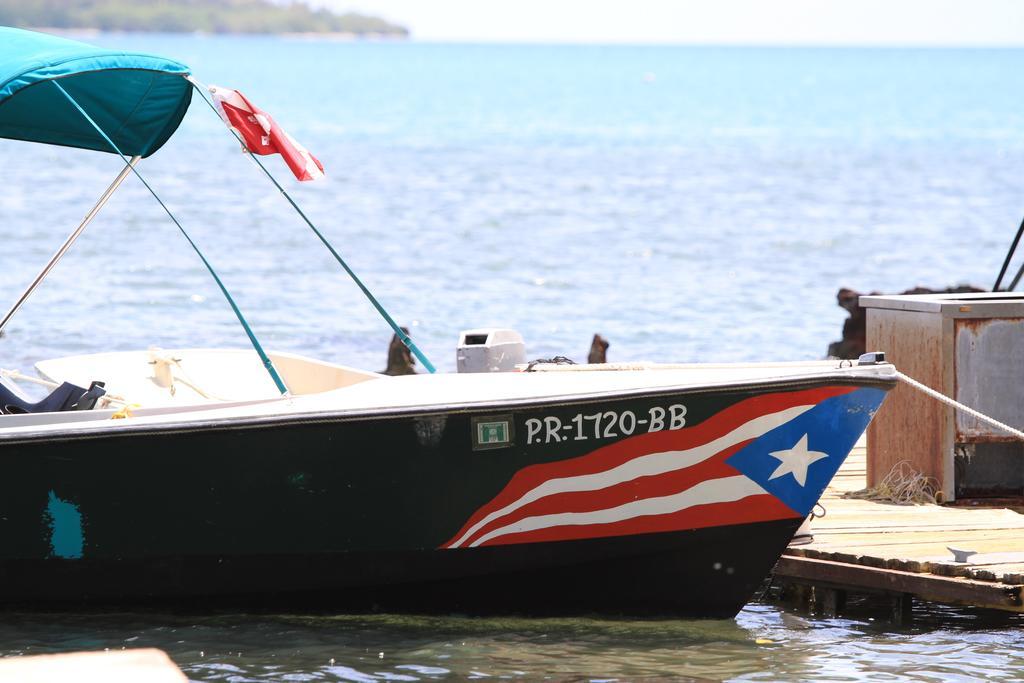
<point x="15" y="375"/>
<point x="942" y="398"/>
<point x="164" y="363"/>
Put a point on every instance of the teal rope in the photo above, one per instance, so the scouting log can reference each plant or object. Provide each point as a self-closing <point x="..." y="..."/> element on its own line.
<point x="238" y="314"/>
<point x="355" y="278"/>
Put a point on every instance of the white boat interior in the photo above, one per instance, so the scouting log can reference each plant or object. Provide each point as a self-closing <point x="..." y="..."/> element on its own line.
<point x="179" y="385"/>
<point x="181" y="377"/>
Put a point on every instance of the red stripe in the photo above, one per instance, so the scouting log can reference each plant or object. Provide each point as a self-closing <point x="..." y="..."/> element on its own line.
<point x="251" y="131"/>
<point x="653" y="486"/>
<point x="759" y="508"/>
<point x="613" y="455"/>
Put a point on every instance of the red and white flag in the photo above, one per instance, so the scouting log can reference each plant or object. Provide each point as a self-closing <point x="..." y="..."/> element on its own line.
<point x="262" y="135"/>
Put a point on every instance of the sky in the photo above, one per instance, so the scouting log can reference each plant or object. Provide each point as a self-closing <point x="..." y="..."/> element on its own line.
<point x="758" y="22"/>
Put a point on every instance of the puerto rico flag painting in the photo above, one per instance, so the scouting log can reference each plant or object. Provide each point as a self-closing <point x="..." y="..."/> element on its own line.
<point x="764" y="458"/>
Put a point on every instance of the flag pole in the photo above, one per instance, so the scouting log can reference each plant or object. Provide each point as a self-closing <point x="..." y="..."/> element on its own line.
<point x="70" y="240"/>
<point x="399" y="332"/>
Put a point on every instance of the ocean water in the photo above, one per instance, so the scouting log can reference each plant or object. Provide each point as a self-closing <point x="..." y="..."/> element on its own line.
<point x="688" y="203"/>
<point x="764" y="643"/>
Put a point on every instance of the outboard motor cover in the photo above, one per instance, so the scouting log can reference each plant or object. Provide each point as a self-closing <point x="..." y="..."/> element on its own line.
<point x="490" y="350"/>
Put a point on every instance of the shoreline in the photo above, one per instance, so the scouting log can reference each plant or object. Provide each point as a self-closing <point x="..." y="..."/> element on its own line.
<point x="293" y="35"/>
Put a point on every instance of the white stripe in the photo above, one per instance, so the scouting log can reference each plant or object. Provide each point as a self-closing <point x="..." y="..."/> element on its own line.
<point x="229" y="96"/>
<point x="643" y="466"/>
<point x="311" y="168"/>
<point x="725" y="490"/>
<point x="264" y="122"/>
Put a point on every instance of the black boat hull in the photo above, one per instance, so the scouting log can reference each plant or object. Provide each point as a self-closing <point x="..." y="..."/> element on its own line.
<point x="705" y="573"/>
<point x="461" y="510"/>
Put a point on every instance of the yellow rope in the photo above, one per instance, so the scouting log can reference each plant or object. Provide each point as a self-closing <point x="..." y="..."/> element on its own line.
<point x="125" y="412"/>
<point x="902" y="486"/>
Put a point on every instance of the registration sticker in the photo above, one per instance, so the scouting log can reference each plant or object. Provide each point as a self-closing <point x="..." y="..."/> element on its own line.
<point x="495" y="431"/>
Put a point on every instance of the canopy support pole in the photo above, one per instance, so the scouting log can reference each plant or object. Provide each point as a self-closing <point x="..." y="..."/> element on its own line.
<point x="129" y="166"/>
<point x="1006" y="262"/>
<point x="399" y="332"/>
<point x="1016" y="279"/>
<point x="70" y="240"/>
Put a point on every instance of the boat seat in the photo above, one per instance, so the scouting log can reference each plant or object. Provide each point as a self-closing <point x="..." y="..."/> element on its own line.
<point x="67" y="396"/>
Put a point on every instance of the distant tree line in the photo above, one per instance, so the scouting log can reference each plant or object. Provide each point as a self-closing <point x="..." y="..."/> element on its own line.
<point x="183" y="16"/>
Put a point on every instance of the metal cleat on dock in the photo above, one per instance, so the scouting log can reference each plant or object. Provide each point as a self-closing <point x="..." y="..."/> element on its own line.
<point x="961" y="555"/>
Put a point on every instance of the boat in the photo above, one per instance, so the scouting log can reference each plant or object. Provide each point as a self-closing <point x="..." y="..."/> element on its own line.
<point x="208" y="476"/>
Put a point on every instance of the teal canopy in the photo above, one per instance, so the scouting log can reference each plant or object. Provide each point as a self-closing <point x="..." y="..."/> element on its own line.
<point x="137" y="99"/>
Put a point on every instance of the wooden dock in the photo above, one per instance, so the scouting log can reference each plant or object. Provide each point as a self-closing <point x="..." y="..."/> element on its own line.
<point x="863" y="546"/>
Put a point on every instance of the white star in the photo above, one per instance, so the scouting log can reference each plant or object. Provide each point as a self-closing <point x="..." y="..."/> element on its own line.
<point x="795" y="461"/>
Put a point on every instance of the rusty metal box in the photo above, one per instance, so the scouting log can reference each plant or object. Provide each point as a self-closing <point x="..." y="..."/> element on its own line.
<point x="969" y="347"/>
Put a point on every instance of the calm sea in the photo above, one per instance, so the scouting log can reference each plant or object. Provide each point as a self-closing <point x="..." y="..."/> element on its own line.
<point x="690" y="204"/>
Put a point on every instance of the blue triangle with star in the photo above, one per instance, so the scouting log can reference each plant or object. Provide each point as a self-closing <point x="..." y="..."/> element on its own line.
<point x="809" y="447"/>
